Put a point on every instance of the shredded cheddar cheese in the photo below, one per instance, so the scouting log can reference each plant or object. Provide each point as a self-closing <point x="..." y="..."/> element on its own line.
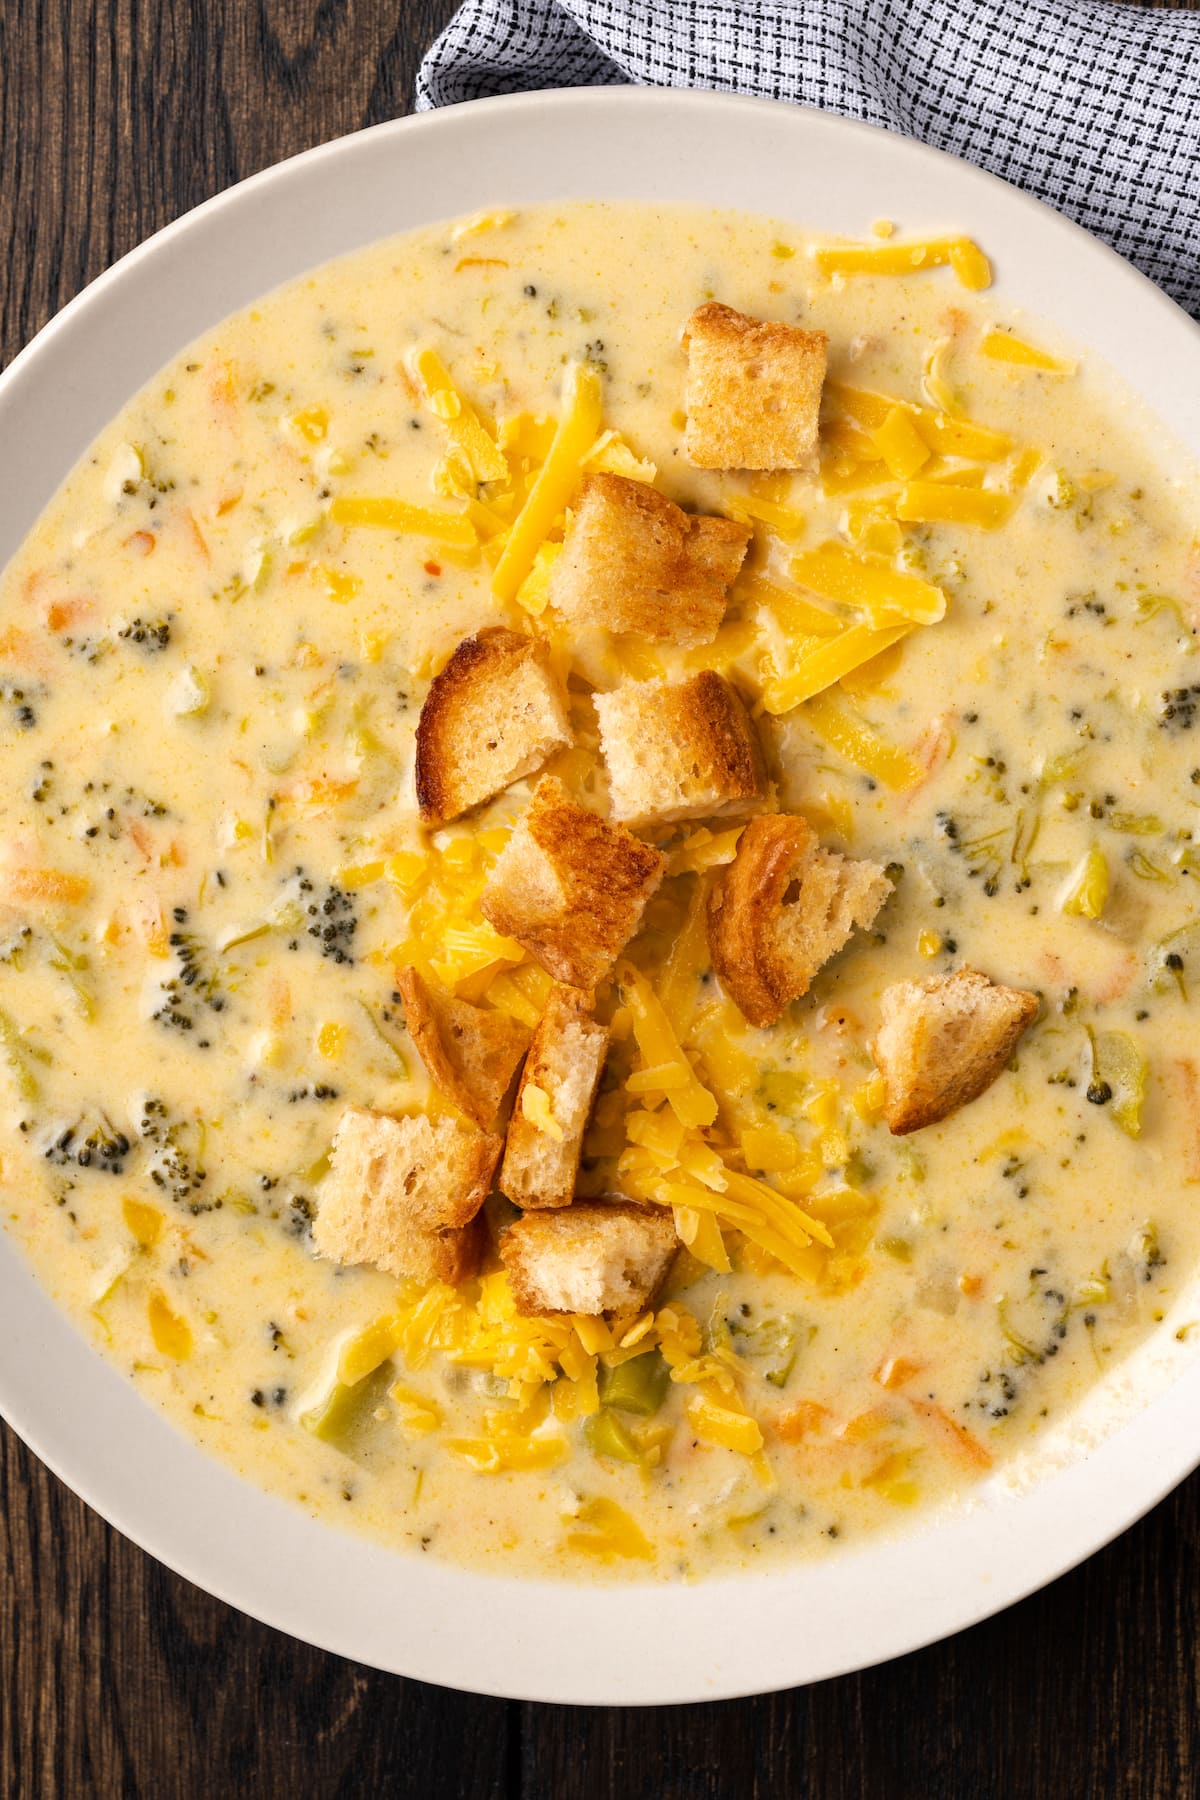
<point x="462" y="423"/>
<point x="453" y="529"/>
<point x="556" y="480"/>
<point x="844" y="731"/>
<point x="887" y="595"/>
<point x="827" y="662"/>
<point x="947" y="503"/>
<point x="1004" y="346"/>
<point x="963" y="255"/>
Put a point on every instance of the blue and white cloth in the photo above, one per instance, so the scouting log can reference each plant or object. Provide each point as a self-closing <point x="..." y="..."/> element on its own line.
<point x="1093" y="105"/>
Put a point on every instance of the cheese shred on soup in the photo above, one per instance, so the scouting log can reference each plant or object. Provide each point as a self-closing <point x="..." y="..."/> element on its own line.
<point x="542" y="1025"/>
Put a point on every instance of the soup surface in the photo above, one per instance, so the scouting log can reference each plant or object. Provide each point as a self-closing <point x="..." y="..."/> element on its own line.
<point x="214" y="648"/>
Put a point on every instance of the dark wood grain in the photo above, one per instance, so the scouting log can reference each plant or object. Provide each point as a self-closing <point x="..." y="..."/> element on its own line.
<point x="1089" y="1688"/>
<point x="116" y="1677"/>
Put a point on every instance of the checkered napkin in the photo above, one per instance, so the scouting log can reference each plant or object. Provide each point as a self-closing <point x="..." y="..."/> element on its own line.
<point x="1091" y="104"/>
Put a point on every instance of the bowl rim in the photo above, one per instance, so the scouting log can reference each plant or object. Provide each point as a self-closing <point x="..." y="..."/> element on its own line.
<point x="639" y="1644"/>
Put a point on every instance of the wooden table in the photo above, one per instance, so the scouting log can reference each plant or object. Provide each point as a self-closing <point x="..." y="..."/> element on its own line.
<point x="117" y="1678"/>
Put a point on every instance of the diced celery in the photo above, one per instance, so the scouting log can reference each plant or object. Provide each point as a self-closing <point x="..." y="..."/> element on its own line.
<point x="1087" y="890"/>
<point x="395" y="1055"/>
<point x="911" y="1162"/>
<point x="608" y="1437"/>
<point x="343" y="1418"/>
<point x="1145" y="1250"/>
<point x="1118" y="1078"/>
<point x="782" y="1089"/>
<point x="14" y="1053"/>
<point x="1173" y="959"/>
<point x="1060" y="768"/>
<point x="774" y="1340"/>
<point x="636" y="1386"/>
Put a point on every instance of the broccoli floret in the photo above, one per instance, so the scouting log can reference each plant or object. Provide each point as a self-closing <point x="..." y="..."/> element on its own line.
<point x="150" y="635"/>
<point x="300" y="1214"/>
<point x="192" y="987"/>
<point x="1177" y="708"/>
<point x="18" y="698"/>
<point x="174" y="1164"/>
<point x="92" y="1142"/>
<point x="321" y="1091"/>
<point x="1027" y="1344"/>
<point x="333" y="923"/>
<point x="329" y="916"/>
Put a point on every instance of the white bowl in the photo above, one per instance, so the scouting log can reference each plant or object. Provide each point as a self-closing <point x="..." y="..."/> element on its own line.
<point x="1135" y="1436"/>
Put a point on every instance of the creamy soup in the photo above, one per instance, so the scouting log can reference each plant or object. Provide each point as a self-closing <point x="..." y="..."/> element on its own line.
<point x="214" y="648"/>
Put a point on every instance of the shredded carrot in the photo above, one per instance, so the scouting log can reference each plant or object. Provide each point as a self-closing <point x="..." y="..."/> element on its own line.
<point x="17" y="646"/>
<point x="894" y="1371"/>
<point x="480" y="262"/>
<point x="955" y="1437"/>
<point x="935" y="744"/>
<point x="142" y="543"/>
<point x="279" y="997"/>
<point x="222" y="385"/>
<point x="412" y="392"/>
<point x="62" y="613"/>
<point x="806" y="1418"/>
<point x="866" y="1425"/>
<point x="931" y="753"/>
<point x="142" y="839"/>
<point x="152" y="927"/>
<point x="46" y="884"/>
<point x="319" y="790"/>
<point x="197" y="535"/>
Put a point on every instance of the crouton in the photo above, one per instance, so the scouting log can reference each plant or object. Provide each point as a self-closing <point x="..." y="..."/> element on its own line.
<point x="942" y="1042"/>
<point x="404" y="1194"/>
<point x="471" y="1052"/>
<point x="597" y="1256"/>
<point x="753" y="391"/>
<point x="782" y="909"/>
<point x="570" y="887"/>
<point x="554" y="1103"/>
<point x="679" y="750"/>
<point x="634" y="561"/>
<point x="495" y="713"/>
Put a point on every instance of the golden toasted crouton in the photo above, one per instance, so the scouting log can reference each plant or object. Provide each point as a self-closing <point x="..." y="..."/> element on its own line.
<point x="495" y="713"/>
<point x="471" y="1052"/>
<point x="679" y="750"/>
<point x="594" y="1257"/>
<point x="942" y="1042"/>
<point x="404" y="1194"/>
<point x="634" y="561"/>
<point x="753" y="391"/>
<point x="570" y="887"/>
<point x="782" y="909"/>
<point x="554" y="1103"/>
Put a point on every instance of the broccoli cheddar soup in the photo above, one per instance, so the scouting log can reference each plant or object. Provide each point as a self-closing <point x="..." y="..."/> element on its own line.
<point x="601" y="815"/>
